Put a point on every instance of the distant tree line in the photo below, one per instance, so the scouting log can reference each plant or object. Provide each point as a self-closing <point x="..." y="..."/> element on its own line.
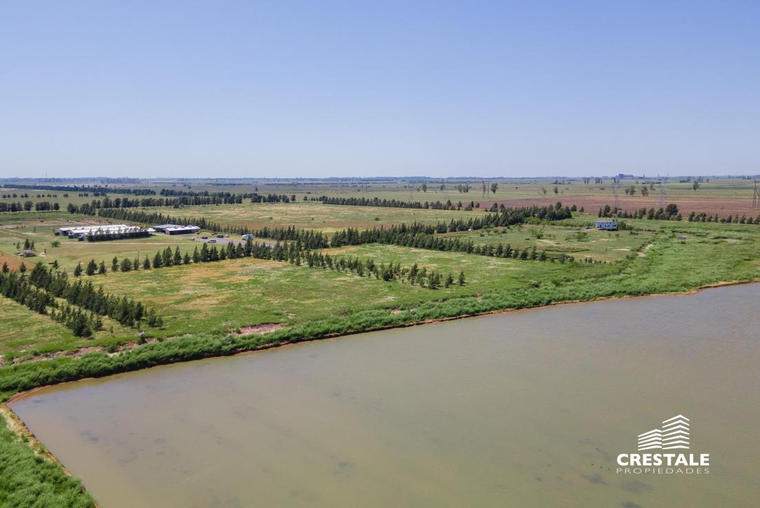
<point x="27" y="206"/>
<point x="232" y="198"/>
<point x="703" y="217"/>
<point x="671" y="212"/>
<point x="86" y="188"/>
<point x="147" y="218"/>
<point x="221" y="198"/>
<point x="395" y="203"/>
<point x="27" y="195"/>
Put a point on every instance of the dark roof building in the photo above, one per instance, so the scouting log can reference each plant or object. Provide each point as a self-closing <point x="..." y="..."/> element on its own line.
<point x="176" y="229"/>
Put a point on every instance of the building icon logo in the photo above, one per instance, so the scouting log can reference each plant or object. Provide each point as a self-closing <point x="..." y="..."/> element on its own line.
<point x="673" y="435"/>
<point x="665" y="450"/>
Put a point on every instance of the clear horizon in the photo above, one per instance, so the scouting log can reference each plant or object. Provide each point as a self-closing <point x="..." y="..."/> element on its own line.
<point x="300" y="90"/>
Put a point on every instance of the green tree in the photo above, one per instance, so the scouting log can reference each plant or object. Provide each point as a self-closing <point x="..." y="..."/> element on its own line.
<point x="78" y="270"/>
<point x="494" y="188"/>
<point x="102" y="268"/>
<point x="177" y="256"/>
<point x="461" y="278"/>
<point x="115" y="264"/>
<point x="157" y="261"/>
<point x="167" y="257"/>
<point x="92" y="267"/>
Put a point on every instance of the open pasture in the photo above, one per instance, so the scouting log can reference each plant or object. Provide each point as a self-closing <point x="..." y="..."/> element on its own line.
<point x="326" y="218"/>
<point x="572" y="240"/>
<point x="225" y="296"/>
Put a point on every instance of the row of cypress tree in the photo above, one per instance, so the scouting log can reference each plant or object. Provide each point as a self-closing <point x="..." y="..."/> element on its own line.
<point x="390" y="272"/>
<point x="82" y="314"/>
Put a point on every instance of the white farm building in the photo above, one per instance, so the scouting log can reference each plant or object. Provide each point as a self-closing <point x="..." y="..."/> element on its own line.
<point x="101" y="231"/>
<point x="101" y="228"/>
<point x="607" y="225"/>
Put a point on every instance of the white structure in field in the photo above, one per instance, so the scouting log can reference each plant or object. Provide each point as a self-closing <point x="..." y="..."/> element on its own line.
<point x="104" y="229"/>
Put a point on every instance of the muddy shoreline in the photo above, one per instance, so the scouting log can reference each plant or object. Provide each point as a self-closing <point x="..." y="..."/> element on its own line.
<point x="79" y="352"/>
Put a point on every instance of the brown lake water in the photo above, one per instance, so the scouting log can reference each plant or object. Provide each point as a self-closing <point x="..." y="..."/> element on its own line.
<point x="527" y="409"/>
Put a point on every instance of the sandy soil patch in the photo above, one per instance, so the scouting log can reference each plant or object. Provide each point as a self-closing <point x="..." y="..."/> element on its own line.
<point x="14" y="262"/>
<point x="259" y="329"/>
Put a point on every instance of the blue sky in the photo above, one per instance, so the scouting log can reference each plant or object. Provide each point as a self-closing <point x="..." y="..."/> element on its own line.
<point x="305" y="89"/>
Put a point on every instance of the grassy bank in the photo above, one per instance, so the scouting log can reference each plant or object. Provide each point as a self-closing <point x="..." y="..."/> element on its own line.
<point x="28" y="478"/>
<point x="637" y="281"/>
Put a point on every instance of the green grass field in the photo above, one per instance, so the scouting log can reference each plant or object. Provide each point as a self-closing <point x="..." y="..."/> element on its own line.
<point x="327" y="218"/>
<point x="222" y="297"/>
<point x="572" y="240"/>
<point x="26" y="330"/>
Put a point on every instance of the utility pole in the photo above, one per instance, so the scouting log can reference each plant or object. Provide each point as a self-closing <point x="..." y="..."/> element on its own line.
<point x="615" y="192"/>
<point x="756" y="196"/>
